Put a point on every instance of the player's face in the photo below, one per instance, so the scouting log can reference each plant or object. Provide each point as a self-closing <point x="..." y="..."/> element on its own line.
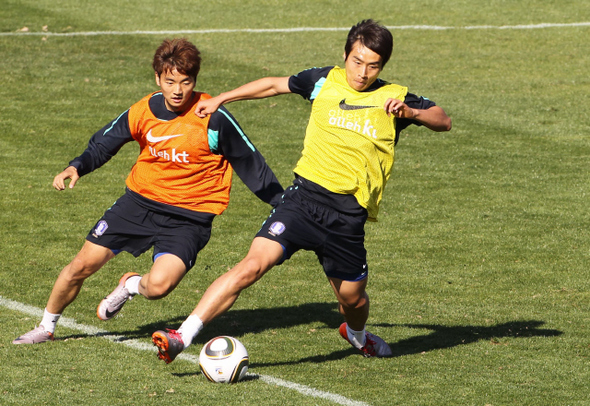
<point x="177" y="89"/>
<point x="363" y="67"/>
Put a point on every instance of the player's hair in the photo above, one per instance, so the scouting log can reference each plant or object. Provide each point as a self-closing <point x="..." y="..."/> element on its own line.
<point x="373" y="36"/>
<point x="178" y="54"/>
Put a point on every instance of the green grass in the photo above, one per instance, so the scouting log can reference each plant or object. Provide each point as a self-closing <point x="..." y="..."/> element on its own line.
<point x="479" y="263"/>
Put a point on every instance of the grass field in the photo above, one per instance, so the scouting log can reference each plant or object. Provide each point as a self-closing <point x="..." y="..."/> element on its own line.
<point x="479" y="263"/>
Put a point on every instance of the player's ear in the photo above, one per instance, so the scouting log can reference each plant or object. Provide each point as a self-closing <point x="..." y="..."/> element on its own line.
<point x="157" y="78"/>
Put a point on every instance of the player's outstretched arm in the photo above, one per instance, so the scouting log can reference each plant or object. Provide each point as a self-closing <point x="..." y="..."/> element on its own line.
<point x="433" y="118"/>
<point x="258" y="89"/>
<point x="69" y="173"/>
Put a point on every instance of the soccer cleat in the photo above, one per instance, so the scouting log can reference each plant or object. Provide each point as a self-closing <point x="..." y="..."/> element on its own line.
<point x="35" y="336"/>
<point x="375" y="346"/>
<point x="113" y="303"/>
<point x="169" y="344"/>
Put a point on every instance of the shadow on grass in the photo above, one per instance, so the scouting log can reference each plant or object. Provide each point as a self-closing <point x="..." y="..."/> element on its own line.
<point x="453" y="336"/>
<point x="441" y="337"/>
<point x="237" y="322"/>
<point x="240" y="322"/>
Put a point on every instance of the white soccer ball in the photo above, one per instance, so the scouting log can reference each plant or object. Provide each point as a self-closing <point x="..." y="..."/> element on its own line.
<point x="224" y="360"/>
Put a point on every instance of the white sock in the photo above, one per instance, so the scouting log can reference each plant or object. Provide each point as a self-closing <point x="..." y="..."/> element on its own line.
<point x="132" y="285"/>
<point x="49" y="321"/>
<point x="190" y="329"/>
<point x="356" y="338"/>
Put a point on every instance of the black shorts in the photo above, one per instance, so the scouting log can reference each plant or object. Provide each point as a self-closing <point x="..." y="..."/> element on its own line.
<point x="131" y="227"/>
<point x="338" y="239"/>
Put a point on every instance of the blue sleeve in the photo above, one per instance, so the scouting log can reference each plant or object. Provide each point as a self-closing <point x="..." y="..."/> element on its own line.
<point x="308" y="83"/>
<point x="103" y="145"/>
<point x="227" y="138"/>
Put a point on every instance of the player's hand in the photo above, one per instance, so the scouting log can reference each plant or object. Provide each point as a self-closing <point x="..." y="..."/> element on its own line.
<point x="399" y="109"/>
<point x="207" y="107"/>
<point x="69" y="173"/>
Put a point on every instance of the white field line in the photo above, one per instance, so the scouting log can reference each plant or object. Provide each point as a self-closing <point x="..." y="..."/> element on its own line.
<point x="296" y="29"/>
<point x="139" y="345"/>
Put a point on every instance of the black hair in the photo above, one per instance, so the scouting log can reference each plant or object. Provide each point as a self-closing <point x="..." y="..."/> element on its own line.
<point x="373" y="36"/>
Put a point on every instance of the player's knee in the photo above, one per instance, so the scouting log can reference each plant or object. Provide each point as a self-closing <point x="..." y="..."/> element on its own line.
<point x="155" y="290"/>
<point x="249" y="271"/>
<point x="78" y="270"/>
<point x="354" y="301"/>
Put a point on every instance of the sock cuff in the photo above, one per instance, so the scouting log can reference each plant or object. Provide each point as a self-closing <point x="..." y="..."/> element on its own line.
<point x="189" y="329"/>
<point x="132" y="284"/>
<point x="356" y="338"/>
<point x="49" y="321"/>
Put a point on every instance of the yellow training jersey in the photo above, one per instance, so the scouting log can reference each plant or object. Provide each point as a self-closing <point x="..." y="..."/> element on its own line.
<point x="349" y="141"/>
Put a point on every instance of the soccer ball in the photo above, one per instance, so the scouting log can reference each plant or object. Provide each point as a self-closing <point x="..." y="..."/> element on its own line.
<point x="224" y="360"/>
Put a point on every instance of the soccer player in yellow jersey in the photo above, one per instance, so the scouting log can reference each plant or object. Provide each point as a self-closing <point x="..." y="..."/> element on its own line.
<point x="346" y="160"/>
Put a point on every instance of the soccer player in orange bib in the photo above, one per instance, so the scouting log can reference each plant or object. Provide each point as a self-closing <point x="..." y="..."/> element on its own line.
<point x="179" y="183"/>
<point x="347" y="158"/>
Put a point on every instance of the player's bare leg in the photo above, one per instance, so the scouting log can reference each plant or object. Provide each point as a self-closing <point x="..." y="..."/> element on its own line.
<point x="353" y="301"/>
<point x="166" y="273"/>
<point x="66" y="288"/>
<point x="90" y="259"/>
<point x="219" y="297"/>
<point x="224" y="291"/>
<point x="354" y="306"/>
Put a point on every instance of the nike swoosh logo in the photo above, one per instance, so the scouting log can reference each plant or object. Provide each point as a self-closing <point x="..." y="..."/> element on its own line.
<point x="345" y="106"/>
<point x="151" y="138"/>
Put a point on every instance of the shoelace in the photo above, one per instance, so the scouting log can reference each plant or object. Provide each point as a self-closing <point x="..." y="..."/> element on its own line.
<point x="174" y="334"/>
<point x="369" y="347"/>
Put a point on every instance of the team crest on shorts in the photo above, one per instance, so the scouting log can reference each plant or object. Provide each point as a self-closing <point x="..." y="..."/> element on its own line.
<point x="100" y="228"/>
<point x="277" y="228"/>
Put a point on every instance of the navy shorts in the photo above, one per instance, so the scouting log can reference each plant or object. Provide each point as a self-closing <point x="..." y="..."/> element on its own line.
<point x="338" y="239"/>
<point x="128" y="226"/>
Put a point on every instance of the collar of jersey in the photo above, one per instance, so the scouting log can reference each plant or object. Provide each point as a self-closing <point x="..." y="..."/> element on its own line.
<point x="158" y="108"/>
